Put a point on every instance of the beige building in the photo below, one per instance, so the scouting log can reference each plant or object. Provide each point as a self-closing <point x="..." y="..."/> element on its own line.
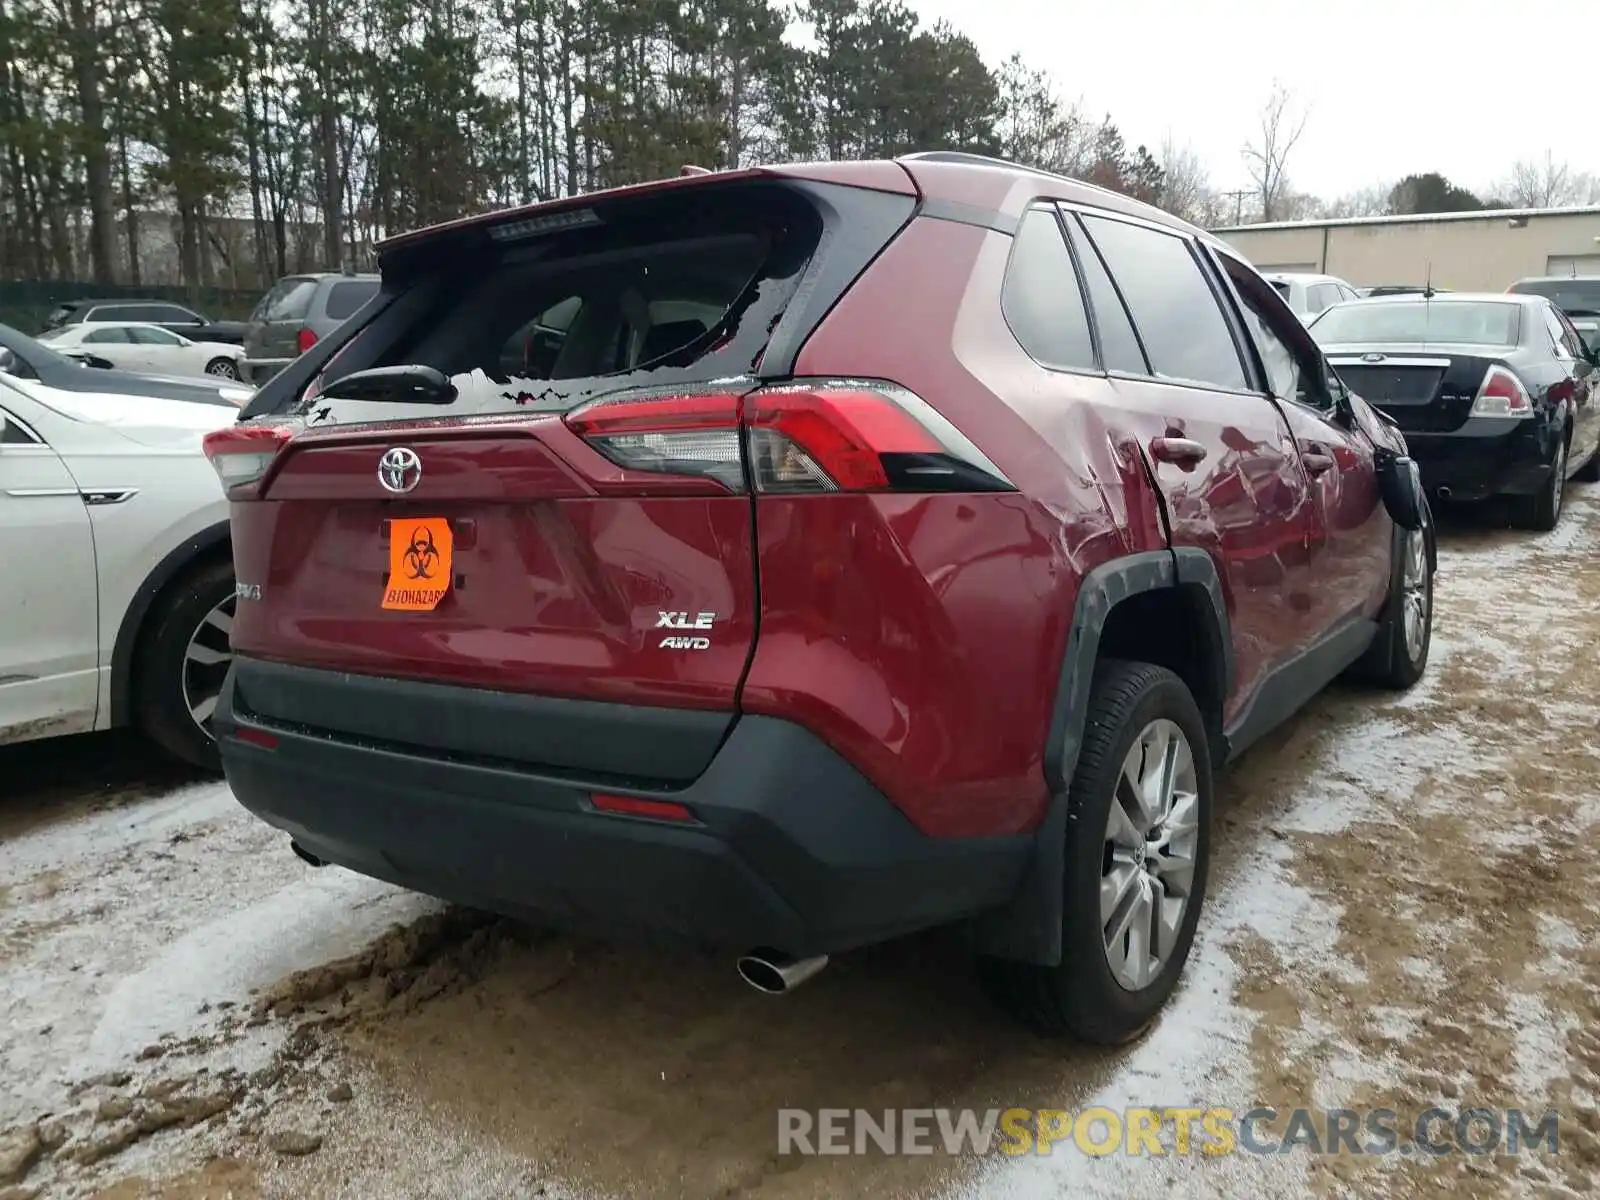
<point x="1475" y="251"/>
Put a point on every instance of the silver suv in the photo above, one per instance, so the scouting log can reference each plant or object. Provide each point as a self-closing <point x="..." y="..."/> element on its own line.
<point x="298" y="312"/>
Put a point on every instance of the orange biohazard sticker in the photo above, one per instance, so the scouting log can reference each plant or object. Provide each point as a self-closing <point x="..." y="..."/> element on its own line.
<point x="421" y="551"/>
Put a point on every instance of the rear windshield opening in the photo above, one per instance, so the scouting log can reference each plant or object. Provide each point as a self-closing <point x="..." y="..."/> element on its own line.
<point x="345" y="298"/>
<point x="1283" y="288"/>
<point x="686" y="290"/>
<point x="1569" y="295"/>
<point x="1447" y="322"/>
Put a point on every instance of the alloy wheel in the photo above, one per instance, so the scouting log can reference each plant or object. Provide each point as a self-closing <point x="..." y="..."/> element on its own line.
<point x="1151" y="845"/>
<point x="1414" y="595"/>
<point x="223" y="369"/>
<point x="205" y="663"/>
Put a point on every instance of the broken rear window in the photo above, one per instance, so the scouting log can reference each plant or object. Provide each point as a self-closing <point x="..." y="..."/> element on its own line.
<point x="678" y="290"/>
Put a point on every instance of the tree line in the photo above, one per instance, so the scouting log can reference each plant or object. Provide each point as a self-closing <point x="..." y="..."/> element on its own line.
<point x="267" y="136"/>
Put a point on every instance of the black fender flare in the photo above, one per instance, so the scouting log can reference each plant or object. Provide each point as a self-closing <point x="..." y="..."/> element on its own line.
<point x="1028" y="929"/>
<point x="169" y="568"/>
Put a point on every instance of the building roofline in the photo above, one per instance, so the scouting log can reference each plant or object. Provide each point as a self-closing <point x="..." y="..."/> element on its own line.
<point x="1489" y="214"/>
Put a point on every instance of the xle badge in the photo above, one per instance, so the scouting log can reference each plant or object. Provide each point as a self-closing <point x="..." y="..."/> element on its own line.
<point x="682" y="620"/>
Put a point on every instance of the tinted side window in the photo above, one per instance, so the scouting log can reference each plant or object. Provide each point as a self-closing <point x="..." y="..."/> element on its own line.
<point x="161" y="314"/>
<point x="1173" y="306"/>
<point x="110" y="312"/>
<point x="107" y="337"/>
<point x="345" y="298"/>
<point x="1040" y="298"/>
<point x="1119" y="344"/>
<point x="289" y="300"/>
<point x="152" y="336"/>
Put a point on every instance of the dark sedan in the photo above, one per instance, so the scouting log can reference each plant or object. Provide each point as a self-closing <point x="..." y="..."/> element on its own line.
<point x="1498" y="395"/>
<point x="174" y="317"/>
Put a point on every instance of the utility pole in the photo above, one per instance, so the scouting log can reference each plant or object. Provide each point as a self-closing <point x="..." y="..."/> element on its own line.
<point x="1238" y="203"/>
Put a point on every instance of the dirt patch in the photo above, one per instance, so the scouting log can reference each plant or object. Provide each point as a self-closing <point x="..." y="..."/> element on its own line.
<point x="1442" y="988"/>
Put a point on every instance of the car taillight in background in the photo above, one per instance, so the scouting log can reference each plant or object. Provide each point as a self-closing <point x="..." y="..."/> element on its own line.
<point x="305" y="339"/>
<point x="813" y="436"/>
<point x="241" y="454"/>
<point x="1502" y="395"/>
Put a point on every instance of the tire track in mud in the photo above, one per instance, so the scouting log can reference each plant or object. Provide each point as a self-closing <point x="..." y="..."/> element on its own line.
<point x="1466" y="964"/>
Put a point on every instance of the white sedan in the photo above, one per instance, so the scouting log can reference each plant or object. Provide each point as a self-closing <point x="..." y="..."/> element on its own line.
<point x="118" y="593"/>
<point x="132" y="346"/>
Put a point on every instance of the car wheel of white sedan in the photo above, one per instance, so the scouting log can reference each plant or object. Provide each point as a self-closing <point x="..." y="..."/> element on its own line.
<point x="184" y="658"/>
<point x="223" y="368"/>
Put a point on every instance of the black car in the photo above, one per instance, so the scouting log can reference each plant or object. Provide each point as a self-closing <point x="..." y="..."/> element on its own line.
<point x="164" y="313"/>
<point x="23" y="357"/>
<point x="1498" y="395"/>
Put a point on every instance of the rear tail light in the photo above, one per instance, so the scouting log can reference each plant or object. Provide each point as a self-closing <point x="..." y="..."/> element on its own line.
<point x="812" y="436"/>
<point x="241" y="454"/>
<point x="305" y="339"/>
<point x="1502" y="395"/>
<point x="667" y="434"/>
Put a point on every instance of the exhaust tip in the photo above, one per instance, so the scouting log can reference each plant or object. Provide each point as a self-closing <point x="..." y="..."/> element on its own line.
<point x="305" y="855"/>
<point x="775" y="974"/>
<point x="1444" y="493"/>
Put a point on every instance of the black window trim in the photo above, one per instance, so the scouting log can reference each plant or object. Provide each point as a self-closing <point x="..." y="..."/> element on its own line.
<point x="1051" y="208"/>
<point x="1254" y="363"/>
<point x="31" y="433"/>
<point x="1230" y="317"/>
<point x="1066" y="212"/>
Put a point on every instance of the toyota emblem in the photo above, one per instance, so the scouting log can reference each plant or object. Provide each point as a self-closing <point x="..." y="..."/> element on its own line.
<point x="399" y="470"/>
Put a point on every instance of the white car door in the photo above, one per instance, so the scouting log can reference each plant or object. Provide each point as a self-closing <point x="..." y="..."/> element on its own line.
<point x="49" y="593"/>
<point x="115" y="344"/>
<point x="164" y="352"/>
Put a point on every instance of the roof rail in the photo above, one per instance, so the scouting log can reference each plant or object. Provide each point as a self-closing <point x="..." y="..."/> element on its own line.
<point x="985" y="160"/>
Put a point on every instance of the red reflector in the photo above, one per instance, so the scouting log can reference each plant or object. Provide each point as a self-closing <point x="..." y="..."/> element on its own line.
<point x="638" y="806"/>
<point x="256" y="737"/>
<point x="305" y="340"/>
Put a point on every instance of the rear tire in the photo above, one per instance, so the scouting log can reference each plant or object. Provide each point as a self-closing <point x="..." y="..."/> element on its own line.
<point x="1399" y="654"/>
<point x="183" y="654"/>
<point x="1108" y="989"/>
<point x="1543" y="512"/>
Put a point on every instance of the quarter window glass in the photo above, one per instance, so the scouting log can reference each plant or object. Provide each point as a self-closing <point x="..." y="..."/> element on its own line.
<point x="1119" y="345"/>
<point x="1041" y="300"/>
<point x="345" y="298"/>
<point x="1173" y="306"/>
<point x="152" y="336"/>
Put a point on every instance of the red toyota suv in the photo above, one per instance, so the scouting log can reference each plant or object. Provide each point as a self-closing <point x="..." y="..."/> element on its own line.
<point x="788" y="559"/>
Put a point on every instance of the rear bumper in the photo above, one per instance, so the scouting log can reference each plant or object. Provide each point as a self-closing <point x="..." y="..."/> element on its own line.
<point x="1486" y="457"/>
<point x="791" y="848"/>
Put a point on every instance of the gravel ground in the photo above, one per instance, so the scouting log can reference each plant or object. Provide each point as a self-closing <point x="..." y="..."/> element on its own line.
<point x="1400" y="917"/>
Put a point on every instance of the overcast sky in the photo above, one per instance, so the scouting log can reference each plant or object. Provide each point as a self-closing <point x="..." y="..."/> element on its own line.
<point x="1394" y="86"/>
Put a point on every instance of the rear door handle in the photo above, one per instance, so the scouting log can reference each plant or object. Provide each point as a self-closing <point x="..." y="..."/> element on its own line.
<point x="1316" y="462"/>
<point x="1180" y="451"/>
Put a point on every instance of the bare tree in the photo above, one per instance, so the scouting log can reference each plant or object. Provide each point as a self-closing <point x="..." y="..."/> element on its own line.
<point x="1366" y="202"/>
<point x="1186" y="184"/>
<point x="1547" y="184"/>
<point x="1283" y="120"/>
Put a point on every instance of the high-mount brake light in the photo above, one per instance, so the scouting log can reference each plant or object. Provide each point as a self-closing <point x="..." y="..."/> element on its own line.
<point x="241" y="454"/>
<point x="1502" y="395"/>
<point x="818" y="435"/>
